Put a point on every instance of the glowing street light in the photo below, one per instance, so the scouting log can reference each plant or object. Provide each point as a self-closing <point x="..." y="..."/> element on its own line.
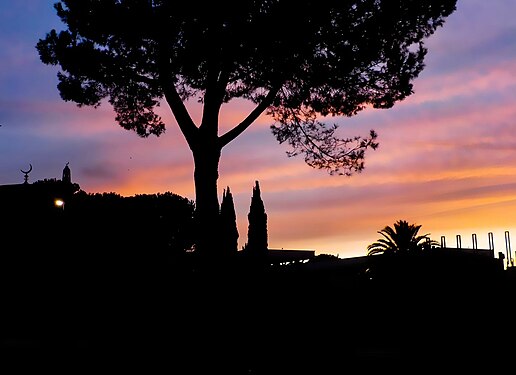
<point x="59" y="203"/>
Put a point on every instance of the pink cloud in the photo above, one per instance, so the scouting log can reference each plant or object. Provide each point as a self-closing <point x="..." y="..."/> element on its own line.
<point x="467" y="82"/>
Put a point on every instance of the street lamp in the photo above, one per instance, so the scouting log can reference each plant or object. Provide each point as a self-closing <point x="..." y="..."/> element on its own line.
<point x="59" y="203"/>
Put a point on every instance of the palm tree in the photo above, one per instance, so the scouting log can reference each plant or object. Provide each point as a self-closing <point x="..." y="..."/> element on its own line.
<point x="403" y="239"/>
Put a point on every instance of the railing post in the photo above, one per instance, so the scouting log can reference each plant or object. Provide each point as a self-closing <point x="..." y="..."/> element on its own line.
<point x="508" y="249"/>
<point x="474" y="239"/>
<point x="490" y="240"/>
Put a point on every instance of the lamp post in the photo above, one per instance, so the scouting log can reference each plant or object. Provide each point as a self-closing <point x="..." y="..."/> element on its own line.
<point x="59" y="203"/>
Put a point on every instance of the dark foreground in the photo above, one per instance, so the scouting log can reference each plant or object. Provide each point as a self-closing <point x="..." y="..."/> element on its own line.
<point x="241" y="319"/>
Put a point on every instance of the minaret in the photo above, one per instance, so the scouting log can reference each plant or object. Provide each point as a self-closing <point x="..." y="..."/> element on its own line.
<point x="67" y="175"/>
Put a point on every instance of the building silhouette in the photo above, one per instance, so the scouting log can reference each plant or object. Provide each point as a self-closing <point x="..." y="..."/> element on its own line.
<point x="29" y="210"/>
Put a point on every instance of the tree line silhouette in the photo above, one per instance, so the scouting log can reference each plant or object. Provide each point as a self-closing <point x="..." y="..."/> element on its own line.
<point x="96" y="221"/>
<point x="58" y="215"/>
<point x="114" y="272"/>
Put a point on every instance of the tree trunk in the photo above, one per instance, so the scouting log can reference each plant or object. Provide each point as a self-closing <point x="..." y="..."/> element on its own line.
<point x="206" y="154"/>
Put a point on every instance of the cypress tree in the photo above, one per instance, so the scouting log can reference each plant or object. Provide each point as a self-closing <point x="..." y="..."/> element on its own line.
<point x="257" y="230"/>
<point x="228" y="225"/>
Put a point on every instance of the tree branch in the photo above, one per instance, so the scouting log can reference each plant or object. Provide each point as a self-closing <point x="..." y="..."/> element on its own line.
<point x="185" y="122"/>
<point x="183" y="118"/>
<point x="255" y="113"/>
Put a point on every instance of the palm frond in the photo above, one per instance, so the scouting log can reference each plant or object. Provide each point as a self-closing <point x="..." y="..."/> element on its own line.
<point x="403" y="238"/>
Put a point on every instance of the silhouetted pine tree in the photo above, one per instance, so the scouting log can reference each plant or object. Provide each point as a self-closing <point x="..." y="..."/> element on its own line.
<point x="228" y="225"/>
<point x="257" y="230"/>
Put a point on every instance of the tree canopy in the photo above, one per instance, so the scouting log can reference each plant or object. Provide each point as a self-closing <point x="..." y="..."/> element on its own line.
<point x="296" y="60"/>
<point x="300" y="62"/>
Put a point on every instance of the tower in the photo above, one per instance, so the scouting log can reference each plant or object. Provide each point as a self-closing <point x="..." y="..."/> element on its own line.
<point x="67" y="175"/>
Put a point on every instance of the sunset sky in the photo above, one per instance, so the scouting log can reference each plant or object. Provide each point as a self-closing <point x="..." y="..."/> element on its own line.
<point x="447" y="155"/>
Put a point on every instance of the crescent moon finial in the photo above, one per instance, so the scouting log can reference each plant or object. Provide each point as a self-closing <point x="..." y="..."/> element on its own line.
<point x="26" y="174"/>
